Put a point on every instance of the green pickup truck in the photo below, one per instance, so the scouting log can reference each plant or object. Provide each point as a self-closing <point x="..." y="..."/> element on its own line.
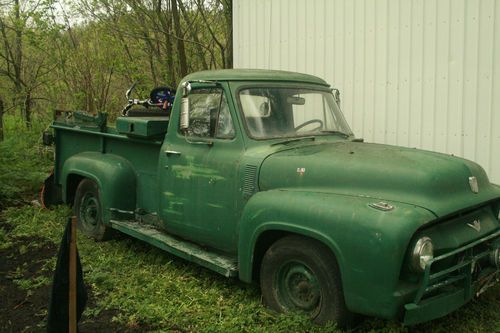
<point x="255" y="174"/>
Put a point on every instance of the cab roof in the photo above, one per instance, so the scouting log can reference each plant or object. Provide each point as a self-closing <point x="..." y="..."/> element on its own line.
<point x="254" y="75"/>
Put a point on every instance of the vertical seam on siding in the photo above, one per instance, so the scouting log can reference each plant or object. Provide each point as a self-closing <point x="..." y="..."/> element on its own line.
<point x="325" y="38"/>
<point x="344" y="51"/>
<point x="448" y="76"/>
<point x="269" y="35"/>
<point x="434" y="112"/>
<point x="422" y="85"/>
<point x="374" y="83"/>
<point x="353" y="77"/>
<point x="398" y="74"/>
<point x="387" y="42"/>
<point x="477" y="79"/>
<point x="490" y="155"/>
<point x="410" y="78"/>
<point x="462" y="125"/>
<point x="363" y="77"/>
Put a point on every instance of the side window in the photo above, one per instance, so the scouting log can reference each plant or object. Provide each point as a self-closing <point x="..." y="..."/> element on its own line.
<point x="209" y="114"/>
<point x="225" y="127"/>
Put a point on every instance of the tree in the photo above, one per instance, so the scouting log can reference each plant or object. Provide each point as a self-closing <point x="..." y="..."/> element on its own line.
<point x="174" y="36"/>
<point x="180" y="39"/>
<point x="221" y="34"/>
<point x="22" y="52"/>
<point x="89" y="58"/>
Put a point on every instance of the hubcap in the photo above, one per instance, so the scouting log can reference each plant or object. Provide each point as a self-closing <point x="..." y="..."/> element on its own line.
<point x="298" y="288"/>
<point x="89" y="210"/>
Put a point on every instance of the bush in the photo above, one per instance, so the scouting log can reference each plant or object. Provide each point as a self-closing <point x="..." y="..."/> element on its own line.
<point x="24" y="161"/>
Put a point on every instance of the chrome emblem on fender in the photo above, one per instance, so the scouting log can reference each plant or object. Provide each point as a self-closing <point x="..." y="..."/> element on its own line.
<point x="383" y="206"/>
<point x="476" y="225"/>
<point x="473" y="184"/>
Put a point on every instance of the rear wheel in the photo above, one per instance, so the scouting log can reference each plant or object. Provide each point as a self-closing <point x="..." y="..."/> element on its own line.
<point x="299" y="274"/>
<point x="88" y="211"/>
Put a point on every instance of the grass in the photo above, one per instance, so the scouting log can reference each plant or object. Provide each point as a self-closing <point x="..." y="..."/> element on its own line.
<point x="150" y="287"/>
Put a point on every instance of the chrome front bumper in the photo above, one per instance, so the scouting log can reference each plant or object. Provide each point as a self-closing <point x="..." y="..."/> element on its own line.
<point x="444" y="291"/>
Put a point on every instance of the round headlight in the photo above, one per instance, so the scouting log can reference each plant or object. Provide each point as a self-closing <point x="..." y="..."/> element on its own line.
<point x="422" y="254"/>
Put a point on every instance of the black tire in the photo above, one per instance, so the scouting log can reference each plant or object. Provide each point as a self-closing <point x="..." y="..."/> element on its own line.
<point x="299" y="274"/>
<point x="88" y="210"/>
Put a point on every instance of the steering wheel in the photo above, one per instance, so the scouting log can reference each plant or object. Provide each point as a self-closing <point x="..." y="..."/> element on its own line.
<point x="312" y="121"/>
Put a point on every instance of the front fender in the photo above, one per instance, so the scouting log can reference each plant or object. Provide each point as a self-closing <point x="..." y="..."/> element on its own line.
<point x="114" y="175"/>
<point x="369" y="244"/>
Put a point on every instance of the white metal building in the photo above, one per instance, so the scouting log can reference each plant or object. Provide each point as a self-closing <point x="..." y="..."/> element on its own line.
<point x="417" y="73"/>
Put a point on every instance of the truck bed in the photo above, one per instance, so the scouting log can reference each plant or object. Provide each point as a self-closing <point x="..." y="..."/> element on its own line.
<point x="77" y="136"/>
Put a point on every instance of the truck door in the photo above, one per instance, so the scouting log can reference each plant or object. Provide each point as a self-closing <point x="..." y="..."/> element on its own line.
<point x="199" y="171"/>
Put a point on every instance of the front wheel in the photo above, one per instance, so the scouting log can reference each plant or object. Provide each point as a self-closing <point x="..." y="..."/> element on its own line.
<point x="88" y="211"/>
<point x="299" y="274"/>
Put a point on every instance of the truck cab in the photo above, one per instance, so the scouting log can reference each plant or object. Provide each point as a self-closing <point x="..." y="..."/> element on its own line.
<point x="256" y="174"/>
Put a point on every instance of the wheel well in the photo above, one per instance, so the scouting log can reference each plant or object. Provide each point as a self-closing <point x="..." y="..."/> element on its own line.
<point x="71" y="185"/>
<point x="264" y="242"/>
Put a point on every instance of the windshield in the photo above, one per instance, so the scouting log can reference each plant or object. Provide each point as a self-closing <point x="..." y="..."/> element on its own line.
<point x="291" y="112"/>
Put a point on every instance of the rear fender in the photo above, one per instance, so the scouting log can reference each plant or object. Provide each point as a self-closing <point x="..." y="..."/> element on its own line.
<point x="114" y="175"/>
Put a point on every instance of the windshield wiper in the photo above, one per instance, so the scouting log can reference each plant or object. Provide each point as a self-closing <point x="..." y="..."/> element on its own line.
<point x="345" y="135"/>
<point x="294" y="140"/>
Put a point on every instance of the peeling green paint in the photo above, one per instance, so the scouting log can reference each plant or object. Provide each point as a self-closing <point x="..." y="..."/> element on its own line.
<point x="188" y="171"/>
<point x="216" y="205"/>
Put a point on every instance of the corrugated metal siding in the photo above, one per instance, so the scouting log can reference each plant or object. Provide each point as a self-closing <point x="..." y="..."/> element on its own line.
<point x="417" y="73"/>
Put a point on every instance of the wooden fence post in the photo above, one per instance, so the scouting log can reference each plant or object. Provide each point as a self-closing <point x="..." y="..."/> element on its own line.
<point x="72" y="328"/>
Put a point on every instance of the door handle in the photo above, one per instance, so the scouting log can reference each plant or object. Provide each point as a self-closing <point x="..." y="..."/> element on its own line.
<point x="172" y="152"/>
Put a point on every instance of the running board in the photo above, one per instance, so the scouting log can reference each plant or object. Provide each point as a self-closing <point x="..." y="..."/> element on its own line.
<point x="222" y="264"/>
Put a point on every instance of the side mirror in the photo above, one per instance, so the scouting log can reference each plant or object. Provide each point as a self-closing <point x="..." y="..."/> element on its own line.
<point x="186" y="89"/>
<point x="336" y="95"/>
<point x="264" y="109"/>
<point x="184" y="116"/>
<point x="184" y="123"/>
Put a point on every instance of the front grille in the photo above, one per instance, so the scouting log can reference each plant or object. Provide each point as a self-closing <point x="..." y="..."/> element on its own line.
<point x="458" y="268"/>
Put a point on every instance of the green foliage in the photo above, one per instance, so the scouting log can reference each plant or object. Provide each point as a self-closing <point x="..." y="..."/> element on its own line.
<point x="5" y="241"/>
<point x="24" y="163"/>
<point x="29" y="284"/>
<point x="86" y="58"/>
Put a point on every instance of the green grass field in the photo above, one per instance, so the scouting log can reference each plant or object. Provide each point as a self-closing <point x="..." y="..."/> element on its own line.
<point x="150" y="288"/>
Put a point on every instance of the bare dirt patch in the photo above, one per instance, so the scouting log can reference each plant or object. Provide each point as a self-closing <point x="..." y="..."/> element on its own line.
<point x="26" y="310"/>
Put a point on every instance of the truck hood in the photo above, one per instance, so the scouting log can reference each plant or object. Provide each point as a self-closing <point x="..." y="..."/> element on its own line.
<point x="437" y="182"/>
